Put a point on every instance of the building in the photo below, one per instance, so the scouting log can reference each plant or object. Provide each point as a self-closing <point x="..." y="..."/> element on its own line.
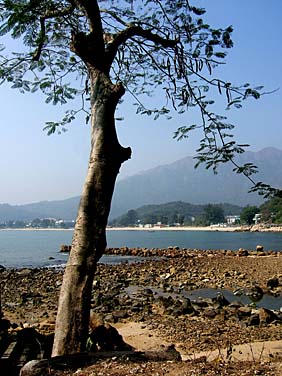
<point x="232" y="219"/>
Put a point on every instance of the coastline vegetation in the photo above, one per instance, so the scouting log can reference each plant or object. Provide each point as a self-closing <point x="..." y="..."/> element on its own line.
<point x="185" y="214"/>
<point x="36" y="223"/>
<point x="172" y="214"/>
<point x="178" y="212"/>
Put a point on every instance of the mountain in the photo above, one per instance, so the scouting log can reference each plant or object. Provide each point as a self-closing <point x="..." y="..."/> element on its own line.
<point x="178" y="181"/>
<point x="62" y="209"/>
<point x="17" y="212"/>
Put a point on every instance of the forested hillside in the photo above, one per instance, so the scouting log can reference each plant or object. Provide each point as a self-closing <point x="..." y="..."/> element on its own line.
<point x="175" y="212"/>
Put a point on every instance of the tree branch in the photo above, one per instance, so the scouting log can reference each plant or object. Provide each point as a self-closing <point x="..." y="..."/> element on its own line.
<point x="49" y="15"/>
<point x="42" y="35"/>
<point x="136" y="31"/>
<point x="92" y="13"/>
<point x="90" y="47"/>
<point x="116" y="17"/>
<point x="59" y="12"/>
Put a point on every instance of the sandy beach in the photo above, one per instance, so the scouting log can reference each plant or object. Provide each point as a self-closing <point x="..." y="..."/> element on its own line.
<point x="253" y="228"/>
<point x="223" y="228"/>
<point x="176" y="228"/>
<point x="149" y="304"/>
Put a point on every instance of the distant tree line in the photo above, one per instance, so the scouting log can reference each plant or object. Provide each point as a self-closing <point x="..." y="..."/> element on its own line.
<point x="172" y="214"/>
<point x="37" y="223"/>
<point x="271" y="211"/>
<point x="181" y="213"/>
<point x="176" y="213"/>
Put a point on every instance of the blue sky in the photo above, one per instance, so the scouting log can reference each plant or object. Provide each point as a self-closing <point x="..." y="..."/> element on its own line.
<point x="36" y="167"/>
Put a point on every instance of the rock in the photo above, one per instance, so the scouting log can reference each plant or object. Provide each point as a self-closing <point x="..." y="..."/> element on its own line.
<point x="253" y="320"/>
<point x="202" y="303"/>
<point x="165" y="302"/>
<point x="47" y="326"/>
<point x="243" y="252"/>
<point x="107" y="338"/>
<point x="261" y="254"/>
<point x="65" y="248"/>
<point x="255" y="293"/>
<point x="2" y="268"/>
<point x="236" y="304"/>
<point x="243" y="312"/>
<point x="109" y="318"/>
<point x="36" y="368"/>
<point x="272" y="282"/>
<point x="187" y="307"/>
<point x="230" y="253"/>
<point x="259" y="248"/>
<point x="24" y="272"/>
<point x="266" y="316"/>
<point x="220" y="301"/>
<point x="233" y="307"/>
<point x="121" y="314"/>
<point x="238" y="292"/>
<point x="242" y="276"/>
<point x="172" y="353"/>
<point x="210" y="312"/>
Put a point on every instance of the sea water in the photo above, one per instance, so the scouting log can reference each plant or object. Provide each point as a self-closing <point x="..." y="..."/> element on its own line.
<point x="39" y="248"/>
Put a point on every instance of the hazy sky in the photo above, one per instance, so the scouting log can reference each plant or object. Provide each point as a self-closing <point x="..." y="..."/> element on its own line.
<point x="36" y="167"/>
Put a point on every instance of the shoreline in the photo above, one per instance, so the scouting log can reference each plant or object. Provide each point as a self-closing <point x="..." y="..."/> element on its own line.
<point x="179" y="228"/>
<point x="36" y="229"/>
<point x="212" y="228"/>
<point x="254" y="228"/>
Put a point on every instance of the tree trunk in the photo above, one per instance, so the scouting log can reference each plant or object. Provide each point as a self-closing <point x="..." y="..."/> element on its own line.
<point x="89" y="239"/>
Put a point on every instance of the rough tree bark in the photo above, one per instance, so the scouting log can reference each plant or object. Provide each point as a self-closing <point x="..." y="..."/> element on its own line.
<point x="89" y="240"/>
<point x="106" y="157"/>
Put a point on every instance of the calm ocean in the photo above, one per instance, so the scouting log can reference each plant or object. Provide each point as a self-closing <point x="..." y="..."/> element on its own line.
<point x="38" y="248"/>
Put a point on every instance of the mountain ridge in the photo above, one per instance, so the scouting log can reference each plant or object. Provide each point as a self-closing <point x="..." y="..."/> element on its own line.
<point x="176" y="181"/>
<point x="181" y="181"/>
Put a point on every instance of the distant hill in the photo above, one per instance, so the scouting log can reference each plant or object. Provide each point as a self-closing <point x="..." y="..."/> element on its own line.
<point x="169" y="213"/>
<point x="63" y="209"/>
<point x="17" y="212"/>
<point x="178" y="181"/>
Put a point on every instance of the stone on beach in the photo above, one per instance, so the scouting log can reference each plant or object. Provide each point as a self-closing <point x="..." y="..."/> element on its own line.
<point x="137" y="293"/>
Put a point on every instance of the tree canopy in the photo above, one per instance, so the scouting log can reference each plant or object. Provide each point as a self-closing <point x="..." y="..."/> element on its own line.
<point x="271" y="211"/>
<point x="248" y="214"/>
<point x="146" y="45"/>
<point x="213" y="214"/>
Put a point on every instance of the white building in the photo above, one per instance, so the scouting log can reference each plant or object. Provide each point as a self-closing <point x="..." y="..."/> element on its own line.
<point x="232" y="219"/>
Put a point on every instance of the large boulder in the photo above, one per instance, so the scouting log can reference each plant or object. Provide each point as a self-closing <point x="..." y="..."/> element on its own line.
<point x="36" y="368"/>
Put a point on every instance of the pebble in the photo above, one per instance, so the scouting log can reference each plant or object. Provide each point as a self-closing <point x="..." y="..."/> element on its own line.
<point x="176" y="271"/>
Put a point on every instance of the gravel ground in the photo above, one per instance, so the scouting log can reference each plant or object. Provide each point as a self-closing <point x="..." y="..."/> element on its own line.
<point x="131" y="292"/>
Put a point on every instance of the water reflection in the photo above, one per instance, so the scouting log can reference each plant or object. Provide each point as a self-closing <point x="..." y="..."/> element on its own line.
<point x="267" y="301"/>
